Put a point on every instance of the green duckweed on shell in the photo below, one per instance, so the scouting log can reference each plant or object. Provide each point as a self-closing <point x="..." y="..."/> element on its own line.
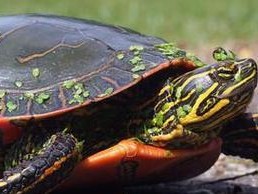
<point x="120" y="56"/>
<point x="42" y="97"/>
<point x="11" y="106"/>
<point x="107" y="92"/>
<point x="68" y="84"/>
<point x="2" y="93"/>
<point x="18" y="84"/>
<point x="35" y="72"/>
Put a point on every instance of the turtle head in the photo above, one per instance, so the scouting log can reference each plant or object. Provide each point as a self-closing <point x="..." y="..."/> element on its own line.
<point x="192" y="108"/>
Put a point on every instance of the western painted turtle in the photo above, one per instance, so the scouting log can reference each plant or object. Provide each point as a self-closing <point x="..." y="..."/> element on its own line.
<point x="71" y="88"/>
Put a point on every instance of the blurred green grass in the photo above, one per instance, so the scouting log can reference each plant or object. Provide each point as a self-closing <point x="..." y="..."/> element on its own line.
<point x="188" y="21"/>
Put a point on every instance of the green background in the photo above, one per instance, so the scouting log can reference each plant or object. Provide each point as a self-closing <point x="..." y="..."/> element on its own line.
<point x="185" y="22"/>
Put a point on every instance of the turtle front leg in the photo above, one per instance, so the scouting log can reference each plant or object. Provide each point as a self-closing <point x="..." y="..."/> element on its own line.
<point x="48" y="167"/>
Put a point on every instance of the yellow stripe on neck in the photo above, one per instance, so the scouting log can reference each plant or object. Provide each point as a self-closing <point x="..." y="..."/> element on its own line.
<point x="164" y="89"/>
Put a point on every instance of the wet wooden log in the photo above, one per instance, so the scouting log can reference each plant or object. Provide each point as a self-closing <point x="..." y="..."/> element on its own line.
<point x="230" y="175"/>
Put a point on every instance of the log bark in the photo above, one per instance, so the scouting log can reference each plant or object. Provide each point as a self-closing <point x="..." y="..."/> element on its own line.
<point x="229" y="175"/>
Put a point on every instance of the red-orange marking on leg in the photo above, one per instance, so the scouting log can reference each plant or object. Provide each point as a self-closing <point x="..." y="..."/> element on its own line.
<point x="9" y="131"/>
<point x="155" y="164"/>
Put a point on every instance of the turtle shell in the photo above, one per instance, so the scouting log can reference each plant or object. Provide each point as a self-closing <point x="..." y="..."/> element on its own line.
<point x="51" y="65"/>
<point x="44" y="58"/>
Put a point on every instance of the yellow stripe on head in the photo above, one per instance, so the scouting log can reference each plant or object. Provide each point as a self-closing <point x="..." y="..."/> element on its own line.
<point x="239" y="84"/>
<point x="192" y="117"/>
